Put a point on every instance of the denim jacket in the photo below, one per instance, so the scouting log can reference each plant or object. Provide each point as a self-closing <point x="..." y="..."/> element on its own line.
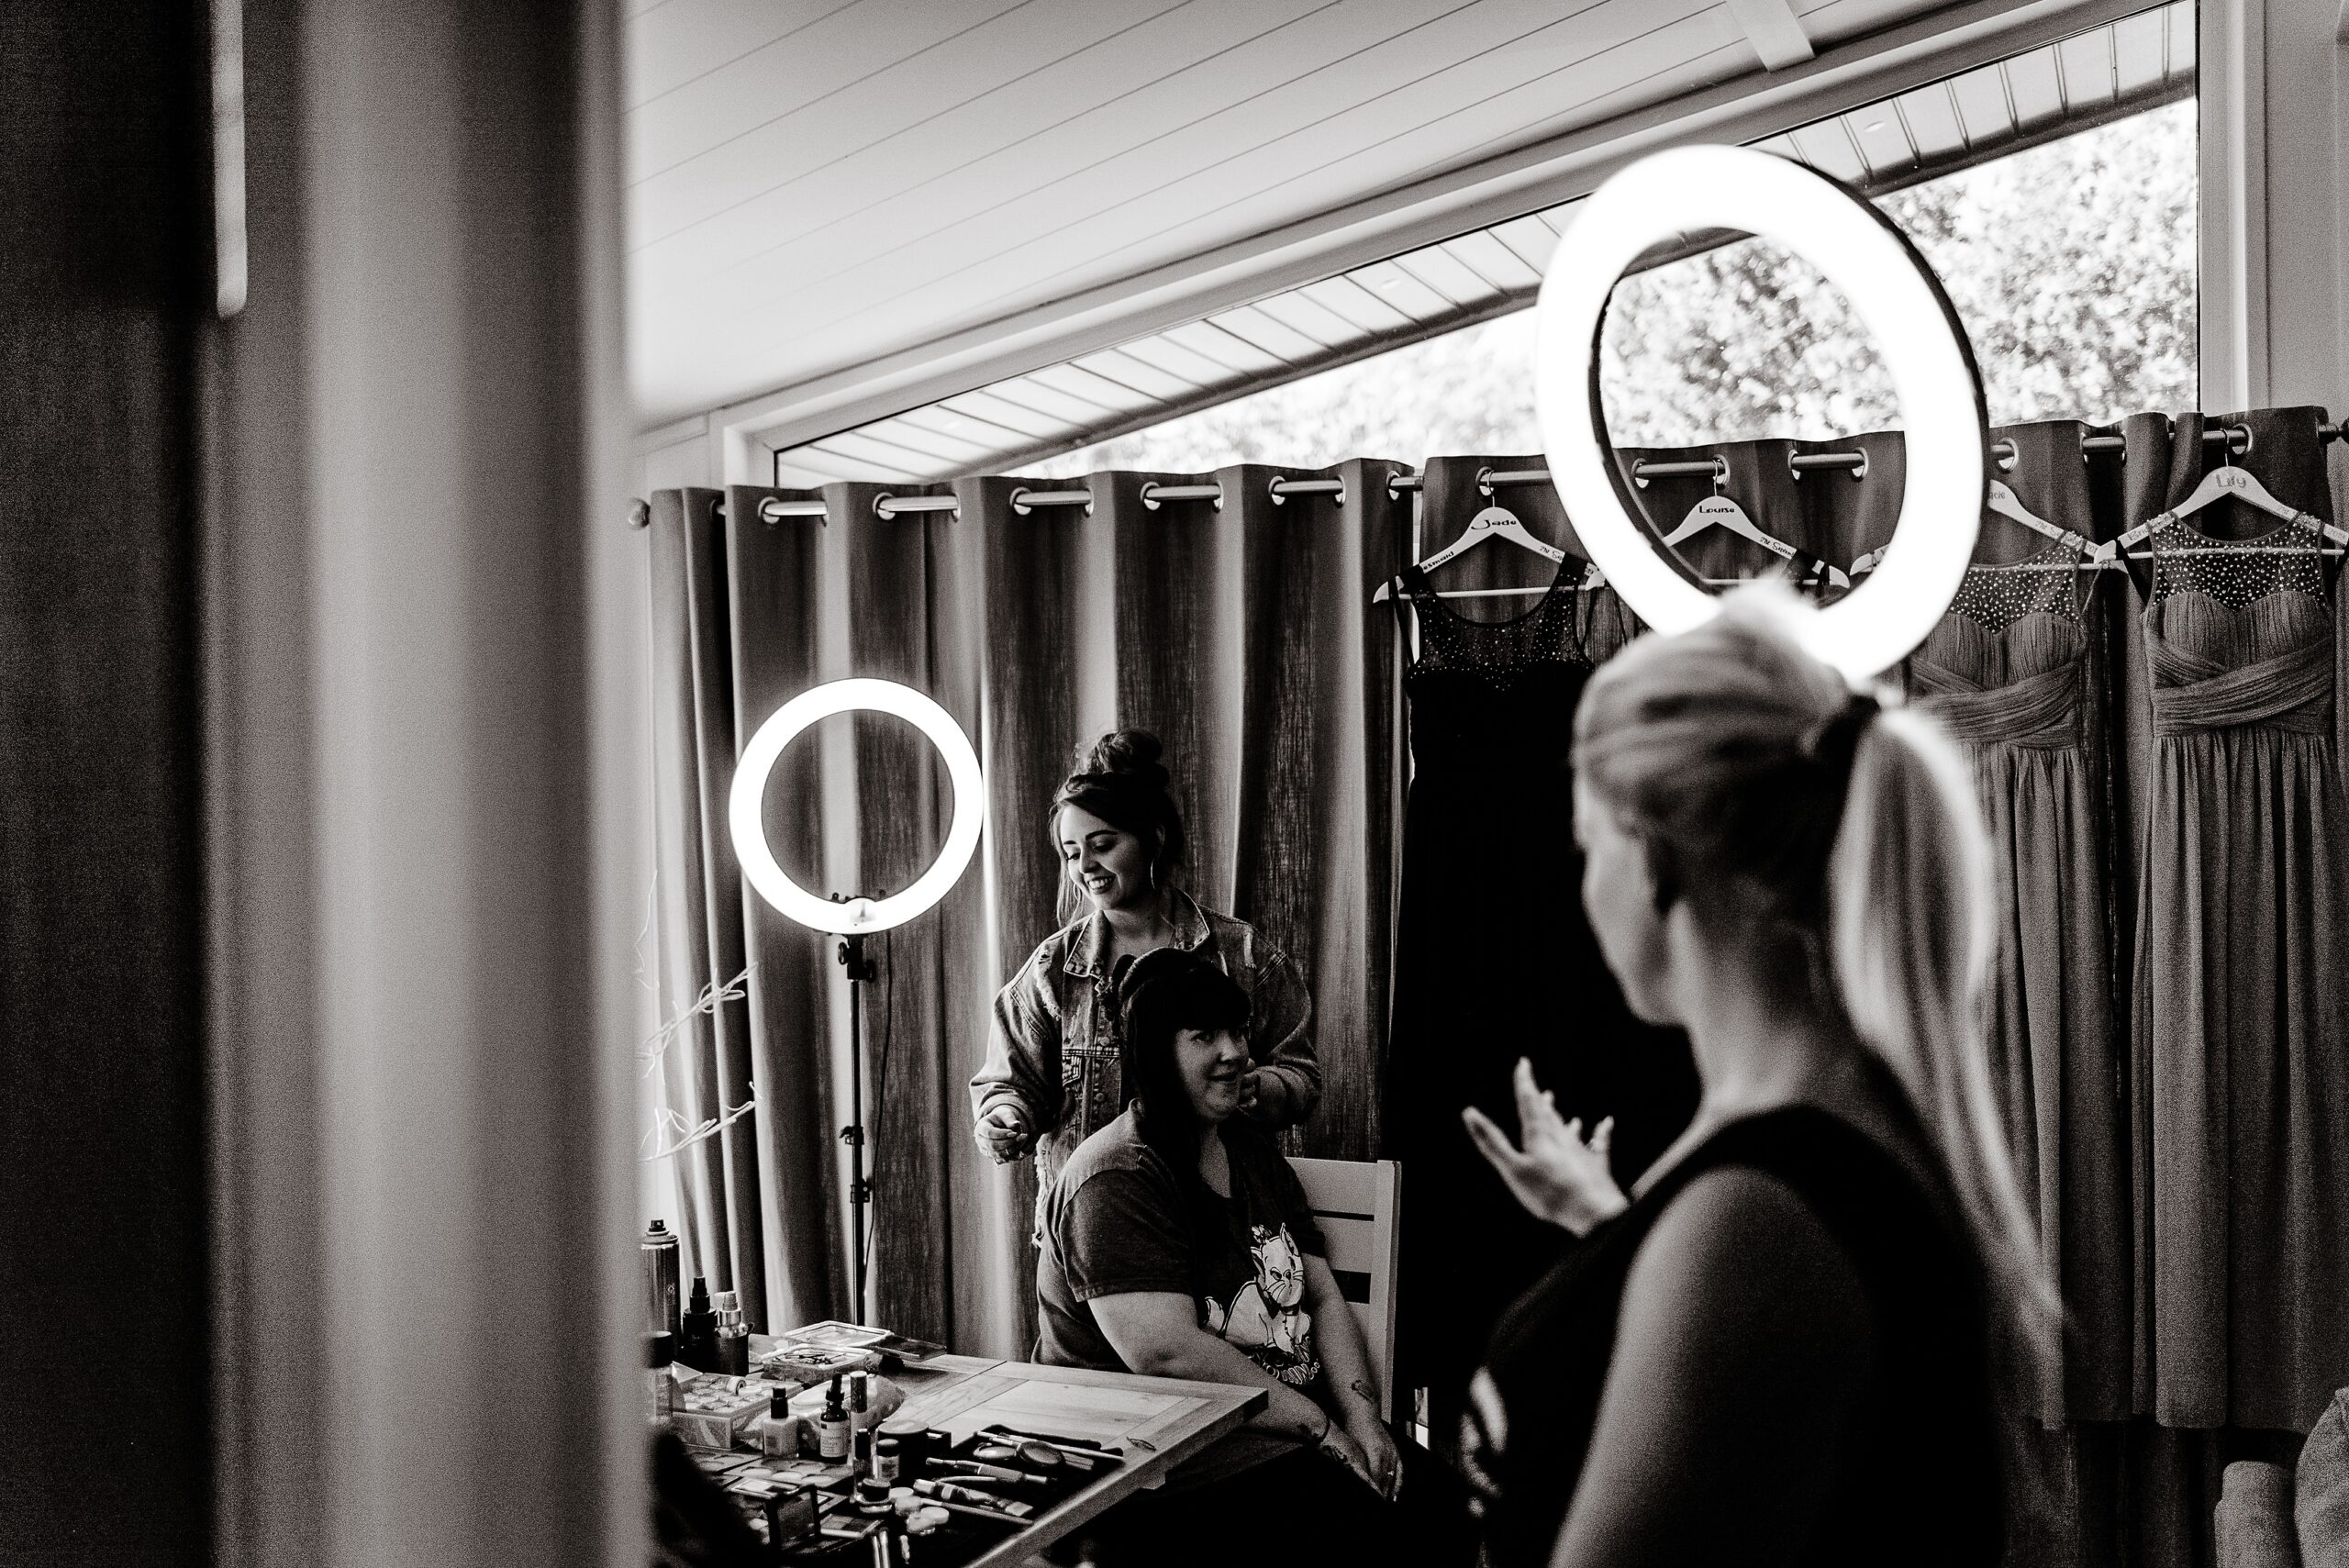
<point x="1053" y="1050"/>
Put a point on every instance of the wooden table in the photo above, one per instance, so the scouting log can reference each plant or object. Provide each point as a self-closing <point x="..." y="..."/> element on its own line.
<point x="1154" y="1422"/>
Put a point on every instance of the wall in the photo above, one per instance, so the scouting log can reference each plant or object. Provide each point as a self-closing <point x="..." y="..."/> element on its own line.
<point x="423" y="800"/>
<point x="2275" y="83"/>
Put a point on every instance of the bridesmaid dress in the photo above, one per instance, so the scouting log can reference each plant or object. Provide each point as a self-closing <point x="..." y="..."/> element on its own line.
<point x="2242" y="1005"/>
<point x="2008" y="672"/>
<point x="1494" y="961"/>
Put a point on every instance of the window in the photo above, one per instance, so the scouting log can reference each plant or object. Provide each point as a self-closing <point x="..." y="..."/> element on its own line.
<point x="2072" y="265"/>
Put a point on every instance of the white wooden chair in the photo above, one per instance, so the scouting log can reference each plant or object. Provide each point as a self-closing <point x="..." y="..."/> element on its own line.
<point x="1355" y="1205"/>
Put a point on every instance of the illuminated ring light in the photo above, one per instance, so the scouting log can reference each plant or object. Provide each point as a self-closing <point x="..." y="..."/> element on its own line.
<point x="855" y="917"/>
<point x="1690" y="189"/>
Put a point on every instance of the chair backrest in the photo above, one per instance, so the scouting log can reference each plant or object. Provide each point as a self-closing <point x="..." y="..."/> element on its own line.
<point x="1355" y="1205"/>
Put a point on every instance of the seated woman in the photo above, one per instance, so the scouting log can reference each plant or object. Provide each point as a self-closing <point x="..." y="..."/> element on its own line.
<point x="1177" y="1243"/>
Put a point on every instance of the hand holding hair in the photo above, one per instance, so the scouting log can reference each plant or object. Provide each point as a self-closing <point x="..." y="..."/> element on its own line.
<point x="1004" y="1134"/>
<point x="1557" y="1177"/>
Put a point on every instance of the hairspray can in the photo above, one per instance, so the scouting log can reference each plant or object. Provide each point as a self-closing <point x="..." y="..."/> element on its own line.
<point x="660" y="1299"/>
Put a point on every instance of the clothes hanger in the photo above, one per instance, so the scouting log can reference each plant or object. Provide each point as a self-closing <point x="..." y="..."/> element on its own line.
<point x="1720" y="510"/>
<point x="2004" y="503"/>
<point x="1493" y="522"/>
<point x="2229" y="483"/>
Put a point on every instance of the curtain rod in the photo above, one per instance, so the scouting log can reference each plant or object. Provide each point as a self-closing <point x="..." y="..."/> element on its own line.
<point x="773" y="509"/>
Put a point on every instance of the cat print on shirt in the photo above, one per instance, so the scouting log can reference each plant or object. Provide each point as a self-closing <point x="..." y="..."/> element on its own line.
<point x="1266" y="1318"/>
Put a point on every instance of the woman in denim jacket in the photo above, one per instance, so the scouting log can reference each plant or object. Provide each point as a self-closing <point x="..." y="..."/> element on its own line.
<point x="1051" y="1076"/>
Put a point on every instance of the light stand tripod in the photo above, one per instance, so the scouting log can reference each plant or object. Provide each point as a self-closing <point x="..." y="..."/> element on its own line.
<point x="854" y="918"/>
<point x="860" y="1192"/>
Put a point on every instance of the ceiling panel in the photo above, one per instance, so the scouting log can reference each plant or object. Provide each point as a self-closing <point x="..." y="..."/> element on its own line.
<point x="1982" y="105"/>
<point x="2085" y="65"/>
<point x="816" y="183"/>
<point x="2140" y="51"/>
<point x="1929" y="117"/>
<point x="1933" y="130"/>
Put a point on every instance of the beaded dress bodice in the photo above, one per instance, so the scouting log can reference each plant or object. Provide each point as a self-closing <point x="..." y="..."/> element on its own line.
<point x="2239" y="632"/>
<point x="2003" y="665"/>
<point x="1479" y="688"/>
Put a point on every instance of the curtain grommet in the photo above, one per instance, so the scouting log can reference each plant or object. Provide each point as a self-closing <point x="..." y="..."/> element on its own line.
<point x="1639" y="473"/>
<point x="640" y="513"/>
<point x="1150" y="502"/>
<point x="2244" y="431"/>
<point x="1020" y="506"/>
<point x="1860" y="469"/>
<point x="1273" y="490"/>
<point x="881" y="504"/>
<point x="1484" y="483"/>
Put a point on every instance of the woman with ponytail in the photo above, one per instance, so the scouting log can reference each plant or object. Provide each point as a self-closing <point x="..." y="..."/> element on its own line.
<point x="1809" y="1333"/>
<point x="1052" y="1076"/>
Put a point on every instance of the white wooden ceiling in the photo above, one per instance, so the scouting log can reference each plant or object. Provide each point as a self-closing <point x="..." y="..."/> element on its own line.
<point x="2124" y="67"/>
<point x="815" y="183"/>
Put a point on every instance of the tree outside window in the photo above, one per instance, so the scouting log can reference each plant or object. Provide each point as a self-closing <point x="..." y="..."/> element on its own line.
<point x="2071" y="266"/>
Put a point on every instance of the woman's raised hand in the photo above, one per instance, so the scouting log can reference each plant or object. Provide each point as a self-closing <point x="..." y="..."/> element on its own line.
<point x="1558" y="1176"/>
<point x="1003" y="1133"/>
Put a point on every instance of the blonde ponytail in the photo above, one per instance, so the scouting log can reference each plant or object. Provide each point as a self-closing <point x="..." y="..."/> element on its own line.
<point x="1910" y="904"/>
<point x="1755" y="765"/>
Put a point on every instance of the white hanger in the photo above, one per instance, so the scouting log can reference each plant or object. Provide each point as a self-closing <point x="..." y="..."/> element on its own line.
<point x="1721" y="511"/>
<point x="2003" y="502"/>
<point x="1493" y="522"/>
<point x="2229" y="483"/>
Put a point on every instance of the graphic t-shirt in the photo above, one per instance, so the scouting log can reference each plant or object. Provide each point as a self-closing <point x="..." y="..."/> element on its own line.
<point x="1121" y="1220"/>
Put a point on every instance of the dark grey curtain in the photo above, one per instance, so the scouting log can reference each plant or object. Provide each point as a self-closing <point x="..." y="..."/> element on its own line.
<point x="1240" y="634"/>
<point x="703" y="1054"/>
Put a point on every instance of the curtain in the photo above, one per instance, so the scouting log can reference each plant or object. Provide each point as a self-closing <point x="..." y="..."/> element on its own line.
<point x="702" y="1055"/>
<point x="1240" y="633"/>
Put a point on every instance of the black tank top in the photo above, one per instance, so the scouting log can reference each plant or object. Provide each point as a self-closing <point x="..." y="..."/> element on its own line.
<point x="1921" y="1481"/>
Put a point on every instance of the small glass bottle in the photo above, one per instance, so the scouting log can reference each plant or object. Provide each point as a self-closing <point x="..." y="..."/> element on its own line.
<point x="831" y="1427"/>
<point x="660" y="1388"/>
<point x="887" y="1461"/>
<point x="860" y="1425"/>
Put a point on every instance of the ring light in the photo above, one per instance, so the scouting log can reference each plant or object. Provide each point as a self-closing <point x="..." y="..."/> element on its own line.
<point x="1690" y="189"/>
<point x="855" y="917"/>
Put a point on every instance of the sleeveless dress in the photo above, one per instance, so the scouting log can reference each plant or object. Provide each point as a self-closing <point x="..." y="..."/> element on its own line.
<point x="1494" y="960"/>
<point x="1919" y="1481"/>
<point x="2241" y="1006"/>
<point x="2008" y="672"/>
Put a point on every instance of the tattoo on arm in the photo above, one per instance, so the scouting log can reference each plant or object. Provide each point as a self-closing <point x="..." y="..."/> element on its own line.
<point x="1360" y="1385"/>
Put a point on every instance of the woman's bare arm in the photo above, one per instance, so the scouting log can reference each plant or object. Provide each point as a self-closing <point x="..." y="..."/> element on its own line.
<point x="1157" y="1333"/>
<point x="1746" y="1345"/>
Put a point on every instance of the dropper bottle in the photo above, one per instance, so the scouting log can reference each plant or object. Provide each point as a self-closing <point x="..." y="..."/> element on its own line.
<point x="831" y="1427"/>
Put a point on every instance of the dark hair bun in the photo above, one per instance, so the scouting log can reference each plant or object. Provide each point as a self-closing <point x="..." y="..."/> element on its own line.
<point x="1119" y="779"/>
<point x="1131" y="975"/>
<point x="1129" y="753"/>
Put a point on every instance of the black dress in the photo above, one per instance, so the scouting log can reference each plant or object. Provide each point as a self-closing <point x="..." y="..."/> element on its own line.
<point x="1918" y="1482"/>
<point x="1494" y="960"/>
